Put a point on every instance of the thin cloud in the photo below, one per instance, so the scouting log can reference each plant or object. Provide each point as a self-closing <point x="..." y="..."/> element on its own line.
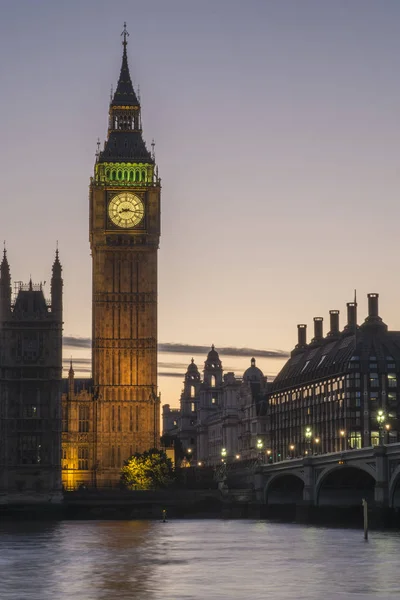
<point x="174" y="348"/>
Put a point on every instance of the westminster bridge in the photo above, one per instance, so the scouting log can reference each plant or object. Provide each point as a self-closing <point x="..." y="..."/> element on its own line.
<point x="336" y="479"/>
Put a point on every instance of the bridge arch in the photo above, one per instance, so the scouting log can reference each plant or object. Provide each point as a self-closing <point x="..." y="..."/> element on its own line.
<point x="394" y="489"/>
<point x="345" y="485"/>
<point x="284" y="488"/>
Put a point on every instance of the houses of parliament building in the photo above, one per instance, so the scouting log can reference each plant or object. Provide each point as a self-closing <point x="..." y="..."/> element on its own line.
<point x="56" y="433"/>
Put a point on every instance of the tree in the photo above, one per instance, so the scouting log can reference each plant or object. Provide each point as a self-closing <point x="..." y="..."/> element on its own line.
<point x="151" y="469"/>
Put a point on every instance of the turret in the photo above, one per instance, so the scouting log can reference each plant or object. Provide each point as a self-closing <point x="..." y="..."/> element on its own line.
<point x="5" y="288"/>
<point x="71" y="385"/>
<point x="56" y="289"/>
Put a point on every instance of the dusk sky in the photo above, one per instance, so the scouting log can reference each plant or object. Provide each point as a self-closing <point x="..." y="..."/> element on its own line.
<point x="277" y="129"/>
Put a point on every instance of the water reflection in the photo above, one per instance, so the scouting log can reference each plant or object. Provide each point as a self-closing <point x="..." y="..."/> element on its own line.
<point x="140" y="560"/>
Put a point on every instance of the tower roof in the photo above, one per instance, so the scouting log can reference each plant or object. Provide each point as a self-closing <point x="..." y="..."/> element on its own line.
<point x="125" y="94"/>
<point x="125" y="142"/>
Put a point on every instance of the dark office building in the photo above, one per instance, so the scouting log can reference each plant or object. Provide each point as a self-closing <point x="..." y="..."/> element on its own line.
<point x="339" y="391"/>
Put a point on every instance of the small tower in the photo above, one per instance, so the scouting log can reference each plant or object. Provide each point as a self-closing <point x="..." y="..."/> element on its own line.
<point x="189" y="406"/>
<point x="71" y="381"/>
<point x="56" y="289"/>
<point x="5" y="288"/>
<point x="213" y="369"/>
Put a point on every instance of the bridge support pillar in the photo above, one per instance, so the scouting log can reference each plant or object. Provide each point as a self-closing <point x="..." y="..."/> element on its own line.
<point x="259" y="486"/>
<point x="381" y="495"/>
<point x="309" y="484"/>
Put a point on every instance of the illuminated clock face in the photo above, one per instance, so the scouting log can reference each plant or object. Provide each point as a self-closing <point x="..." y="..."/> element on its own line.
<point x="126" y="210"/>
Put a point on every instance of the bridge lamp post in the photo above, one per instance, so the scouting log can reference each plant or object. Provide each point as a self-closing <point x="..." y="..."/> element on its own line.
<point x="292" y="447"/>
<point x="387" y="427"/>
<point x="269" y="454"/>
<point x="317" y="441"/>
<point x="308" y="435"/>
<point x="223" y="454"/>
<point x="381" y="419"/>
<point x="259" y="447"/>
<point x="342" y="440"/>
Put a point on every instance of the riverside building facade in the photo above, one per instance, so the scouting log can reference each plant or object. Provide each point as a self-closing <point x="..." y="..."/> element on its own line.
<point x="339" y="391"/>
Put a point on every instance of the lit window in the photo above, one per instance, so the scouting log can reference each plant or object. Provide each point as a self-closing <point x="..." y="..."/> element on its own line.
<point x="374" y="380"/>
<point x="213" y="401"/>
<point x="392" y="380"/>
<point x="84" y="418"/>
<point x="212" y="380"/>
<point x="192" y="391"/>
<point x="193" y="406"/>
<point x="83" y="458"/>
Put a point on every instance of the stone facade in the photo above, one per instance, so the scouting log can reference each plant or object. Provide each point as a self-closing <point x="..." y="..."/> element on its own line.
<point x="221" y="417"/>
<point x="30" y="387"/>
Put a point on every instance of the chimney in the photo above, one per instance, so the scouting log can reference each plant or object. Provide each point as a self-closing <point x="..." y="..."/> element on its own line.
<point x="351" y="316"/>
<point x="318" y="334"/>
<point x="334" y="321"/>
<point x="373" y="305"/>
<point x="301" y="336"/>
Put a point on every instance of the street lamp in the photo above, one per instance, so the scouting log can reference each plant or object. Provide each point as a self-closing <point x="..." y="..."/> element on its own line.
<point x="387" y="427"/>
<point x="308" y="435"/>
<point x="269" y="454"/>
<point x="223" y="454"/>
<point x="342" y="441"/>
<point x="259" y="447"/>
<point x="381" y="419"/>
<point x="317" y="441"/>
<point x="292" y="447"/>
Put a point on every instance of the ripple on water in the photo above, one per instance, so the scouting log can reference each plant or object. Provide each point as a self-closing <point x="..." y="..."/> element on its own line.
<point x="182" y="560"/>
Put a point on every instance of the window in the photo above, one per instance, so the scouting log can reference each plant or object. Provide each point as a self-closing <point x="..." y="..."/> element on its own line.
<point x="30" y="449"/>
<point x="374" y="396"/>
<point x="355" y="439"/>
<point x="30" y="411"/>
<point x="192" y="422"/>
<point x="83" y="458"/>
<point x="392" y="397"/>
<point x="192" y="391"/>
<point x="131" y="419"/>
<point x="213" y="401"/>
<point x="64" y="453"/>
<point x="175" y="423"/>
<point x="374" y="438"/>
<point x="392" y="380"/>
<point x="64" y="416"/>
<point x="322" y="360"/>
<point x="119" y="419"/>
<point x="212" y="380"/>
<point x="193" y="406"/>
<point x="374" y="380"/>
<point x="305" y="366"/>
<point x="83" y="418"/>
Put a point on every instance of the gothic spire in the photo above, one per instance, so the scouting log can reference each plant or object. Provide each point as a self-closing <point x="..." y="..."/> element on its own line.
<point x="57" y="268"/>
<point x="125" y="94"/>
<point x="5" y="267"/>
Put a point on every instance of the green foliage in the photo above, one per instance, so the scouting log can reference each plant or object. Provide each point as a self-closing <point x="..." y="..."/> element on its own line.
<point x="149" y="470"/>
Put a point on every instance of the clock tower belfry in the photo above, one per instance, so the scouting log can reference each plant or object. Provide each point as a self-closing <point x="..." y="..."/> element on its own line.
<point x="124" y="229"/>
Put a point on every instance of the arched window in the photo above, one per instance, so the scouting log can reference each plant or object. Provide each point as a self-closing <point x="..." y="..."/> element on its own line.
<point x="131" y="175"/>
<point x="192" y="391"/>
<point x="143" y="175"/>
<point x="212" y="380"/>
<point x="112" y="175"/>
<point x="126" y="175"/>
<point x="137" y="176"/>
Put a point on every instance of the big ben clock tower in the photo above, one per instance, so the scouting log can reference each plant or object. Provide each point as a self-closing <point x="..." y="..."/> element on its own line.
<point x="124" y="227"/>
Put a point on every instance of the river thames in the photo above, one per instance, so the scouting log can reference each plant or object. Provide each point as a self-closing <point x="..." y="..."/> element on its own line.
<point x="195" y="560"/>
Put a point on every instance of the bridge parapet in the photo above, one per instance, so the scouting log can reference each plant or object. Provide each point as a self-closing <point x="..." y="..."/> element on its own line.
<point x="380" y="463"/>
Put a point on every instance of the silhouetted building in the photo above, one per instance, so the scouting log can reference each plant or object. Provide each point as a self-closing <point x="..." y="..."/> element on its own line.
<point x="328" y="395"/>
<point x="30" y="386"/>
<point x="221" y="417"/>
